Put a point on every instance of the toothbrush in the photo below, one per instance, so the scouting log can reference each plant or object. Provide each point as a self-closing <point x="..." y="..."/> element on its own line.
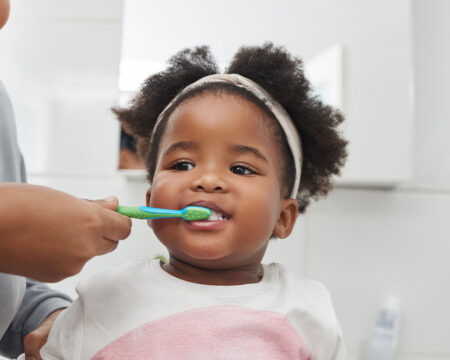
<point x="189" y="213"/>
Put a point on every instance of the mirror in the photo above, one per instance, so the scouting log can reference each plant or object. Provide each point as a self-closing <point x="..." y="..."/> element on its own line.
<point x="351" y="49"/>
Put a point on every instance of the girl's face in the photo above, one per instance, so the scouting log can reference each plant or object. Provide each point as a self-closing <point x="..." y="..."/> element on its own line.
<point x="218" y="151"/>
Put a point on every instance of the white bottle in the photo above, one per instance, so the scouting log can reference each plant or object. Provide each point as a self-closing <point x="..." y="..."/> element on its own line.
<point x="384" y="340"/>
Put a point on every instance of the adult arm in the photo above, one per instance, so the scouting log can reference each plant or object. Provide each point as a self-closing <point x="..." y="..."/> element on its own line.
<point x="38" y="304"/>
<point x="48" y="235"/>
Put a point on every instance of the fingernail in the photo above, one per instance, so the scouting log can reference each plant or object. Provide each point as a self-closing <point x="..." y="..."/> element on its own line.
<point x="107" y="199"/>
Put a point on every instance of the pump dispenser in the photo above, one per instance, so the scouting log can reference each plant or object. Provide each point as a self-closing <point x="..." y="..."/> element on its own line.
<point x="384" y="341"/>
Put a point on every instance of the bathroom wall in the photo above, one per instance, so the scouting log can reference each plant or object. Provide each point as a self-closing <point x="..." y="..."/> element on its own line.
<point x="364" y="244"/>
<point x="367" y="244"/>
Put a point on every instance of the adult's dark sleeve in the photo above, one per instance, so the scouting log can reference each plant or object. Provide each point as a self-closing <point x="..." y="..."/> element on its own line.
<point x="38" y="303"/>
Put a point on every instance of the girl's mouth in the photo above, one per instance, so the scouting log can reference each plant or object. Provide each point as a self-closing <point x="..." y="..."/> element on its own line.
<point x="216" y="220"/>
<point x="217" y="213"/>
<point x="217" y="216"/>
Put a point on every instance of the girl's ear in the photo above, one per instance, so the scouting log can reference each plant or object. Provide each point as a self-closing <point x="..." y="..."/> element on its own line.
<point x="287" y="218"/>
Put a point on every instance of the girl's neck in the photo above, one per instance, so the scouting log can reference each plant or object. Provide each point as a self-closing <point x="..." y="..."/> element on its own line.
<point x="247" y="274"/>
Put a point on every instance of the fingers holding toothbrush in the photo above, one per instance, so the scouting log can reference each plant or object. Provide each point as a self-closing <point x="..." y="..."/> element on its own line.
<point x="48" y="235"/>
<point x="114" y="227"/>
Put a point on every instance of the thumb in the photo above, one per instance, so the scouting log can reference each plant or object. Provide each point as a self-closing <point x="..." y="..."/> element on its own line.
<point x="110" y="203"/>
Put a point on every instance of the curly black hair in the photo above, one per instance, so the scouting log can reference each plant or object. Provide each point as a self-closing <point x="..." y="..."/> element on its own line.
<point x="281" y="75"/>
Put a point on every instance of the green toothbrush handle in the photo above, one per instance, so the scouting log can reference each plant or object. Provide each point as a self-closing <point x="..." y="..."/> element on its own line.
<point x="189" y="213"/>
<point x="133" y="212"/>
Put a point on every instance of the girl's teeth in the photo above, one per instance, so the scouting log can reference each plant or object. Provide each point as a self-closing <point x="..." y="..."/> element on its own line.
<point x="215" y="216"/>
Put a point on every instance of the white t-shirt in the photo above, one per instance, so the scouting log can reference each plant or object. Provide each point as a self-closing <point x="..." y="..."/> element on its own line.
<point x="139" y="311"/>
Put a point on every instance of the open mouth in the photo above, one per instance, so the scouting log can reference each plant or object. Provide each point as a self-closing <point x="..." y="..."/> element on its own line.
<point x="217" y="213"/>
<point x="217" y="216"/>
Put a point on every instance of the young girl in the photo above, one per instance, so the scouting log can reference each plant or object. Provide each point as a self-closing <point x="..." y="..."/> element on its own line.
<point x="254" y="146"/>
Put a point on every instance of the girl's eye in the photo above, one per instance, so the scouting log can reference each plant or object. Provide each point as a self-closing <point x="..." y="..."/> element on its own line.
<point x="241" y="170"/>
<point x="182" y="166"/>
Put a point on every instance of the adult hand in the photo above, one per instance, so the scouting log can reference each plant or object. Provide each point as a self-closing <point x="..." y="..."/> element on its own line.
<point x="48" y="235"/>
<point x="37" y="338"/>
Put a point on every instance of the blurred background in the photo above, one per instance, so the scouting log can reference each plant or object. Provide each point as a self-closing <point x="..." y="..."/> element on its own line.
<point x="383" y="232"/>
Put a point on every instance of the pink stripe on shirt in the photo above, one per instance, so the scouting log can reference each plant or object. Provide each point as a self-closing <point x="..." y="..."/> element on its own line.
<point x="217" y="332"/>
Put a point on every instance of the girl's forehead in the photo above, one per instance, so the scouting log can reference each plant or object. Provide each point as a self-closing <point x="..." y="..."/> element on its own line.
<point x="222" y="114"/>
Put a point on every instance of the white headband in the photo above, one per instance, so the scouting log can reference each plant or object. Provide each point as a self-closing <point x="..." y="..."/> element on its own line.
<point x="292" y="136"/>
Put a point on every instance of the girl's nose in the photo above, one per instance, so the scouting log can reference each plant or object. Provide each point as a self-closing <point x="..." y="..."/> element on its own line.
<point x="209" y="183"/>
